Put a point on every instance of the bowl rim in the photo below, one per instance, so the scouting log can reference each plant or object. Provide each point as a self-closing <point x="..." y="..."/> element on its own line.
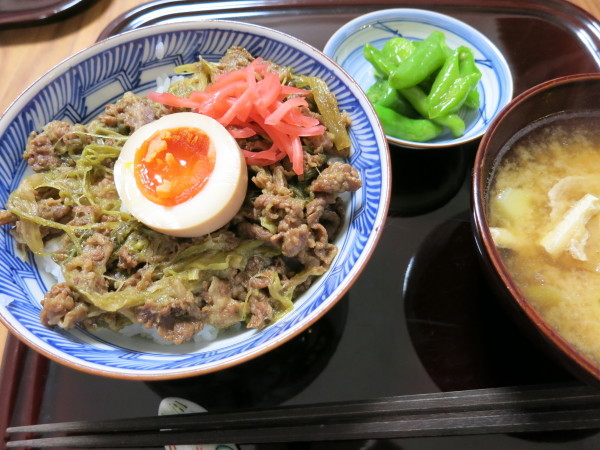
<point x="362" y="21"/>
<point x="21" y="100"/>
<point x="479" y="185"/>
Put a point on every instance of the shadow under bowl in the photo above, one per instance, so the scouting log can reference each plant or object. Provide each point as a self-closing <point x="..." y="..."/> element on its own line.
<point x="570" y="94"/>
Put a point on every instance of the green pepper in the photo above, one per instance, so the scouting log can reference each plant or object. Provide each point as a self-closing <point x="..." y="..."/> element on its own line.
<point x="402" y="127"/>
<point x="452" y="87"/>
<point x="427" y="57"/>
<point x="472" y="101"/>
<point x="453" y="122"/>
<point x="427" y="83"/>
<point x="418" y="100"/>
<point x="383" y="94"/>
<point x="451" y="100"/>
<point x="447" y="76"/>
<point x="467" y="61"/>
<point x="467" y="66"/>
<point x="397" y="49"/>
<point x="377" y="60"/>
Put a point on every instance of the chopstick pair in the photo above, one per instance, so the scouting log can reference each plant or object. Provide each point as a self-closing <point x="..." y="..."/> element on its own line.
<point x="483" y="411"/>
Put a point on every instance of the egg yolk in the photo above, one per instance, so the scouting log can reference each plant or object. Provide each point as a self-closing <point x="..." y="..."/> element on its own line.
<point x="173" y="165"/>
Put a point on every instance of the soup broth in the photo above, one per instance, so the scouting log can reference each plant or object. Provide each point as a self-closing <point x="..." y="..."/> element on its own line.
<point x="544" y="212"/>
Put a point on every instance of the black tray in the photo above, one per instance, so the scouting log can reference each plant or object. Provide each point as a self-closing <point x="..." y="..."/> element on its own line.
<point x="421" y="317"/>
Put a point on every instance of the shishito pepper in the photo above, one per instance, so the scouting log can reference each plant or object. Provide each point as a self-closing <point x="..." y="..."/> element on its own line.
<point x="472" y="101"/>
<point x="418" y="100"/>
<point x="450" y="88"/>
<point x="467" y="66"/>
<point x="381" y="93"/>
<point x="377" y="60"/>
<point x="454" y="97"/>
<point x="447" y="76"/>
<point x="402" y="127"/>
<point x="433" y="79"/>
<point x="427" y="57"/>
<point x="397" y="49"/>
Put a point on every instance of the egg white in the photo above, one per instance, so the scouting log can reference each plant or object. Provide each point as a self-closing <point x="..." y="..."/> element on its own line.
<point x="211" y="208"/>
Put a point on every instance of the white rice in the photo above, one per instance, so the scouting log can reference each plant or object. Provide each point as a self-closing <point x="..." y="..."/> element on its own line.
<point x="46" y="264"/>
<point x="207" y="334"/>
<point x="164" y="81"/>
<point x="159" y="50"/>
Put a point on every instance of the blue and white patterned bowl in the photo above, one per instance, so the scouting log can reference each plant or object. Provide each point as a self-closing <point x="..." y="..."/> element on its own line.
<point x="77" y="90"/>
<point x="495" y="87"/>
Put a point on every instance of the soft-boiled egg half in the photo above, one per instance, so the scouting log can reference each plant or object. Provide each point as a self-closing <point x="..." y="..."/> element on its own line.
<point x="183" y="175"/>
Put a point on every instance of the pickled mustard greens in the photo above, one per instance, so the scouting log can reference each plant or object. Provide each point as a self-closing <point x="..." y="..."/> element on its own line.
<point x="117" y="271"/>
<point x="75" y="183"/>
<point x="327" y="105"/>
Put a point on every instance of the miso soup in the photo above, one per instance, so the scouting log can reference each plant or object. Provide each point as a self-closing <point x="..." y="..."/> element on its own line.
<point x="544" y="211"/>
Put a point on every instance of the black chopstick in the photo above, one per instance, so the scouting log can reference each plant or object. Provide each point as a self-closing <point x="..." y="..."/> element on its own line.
<point x="424" y="426"/>
<point x="498" y="410"/>
<point x="480" y="399"/>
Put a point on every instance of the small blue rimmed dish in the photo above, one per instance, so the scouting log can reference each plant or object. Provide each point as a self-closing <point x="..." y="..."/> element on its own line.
<point x="495" y="86"/>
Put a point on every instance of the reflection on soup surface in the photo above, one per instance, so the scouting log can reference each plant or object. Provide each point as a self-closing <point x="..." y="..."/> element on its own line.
<point x="545" y="217"/>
